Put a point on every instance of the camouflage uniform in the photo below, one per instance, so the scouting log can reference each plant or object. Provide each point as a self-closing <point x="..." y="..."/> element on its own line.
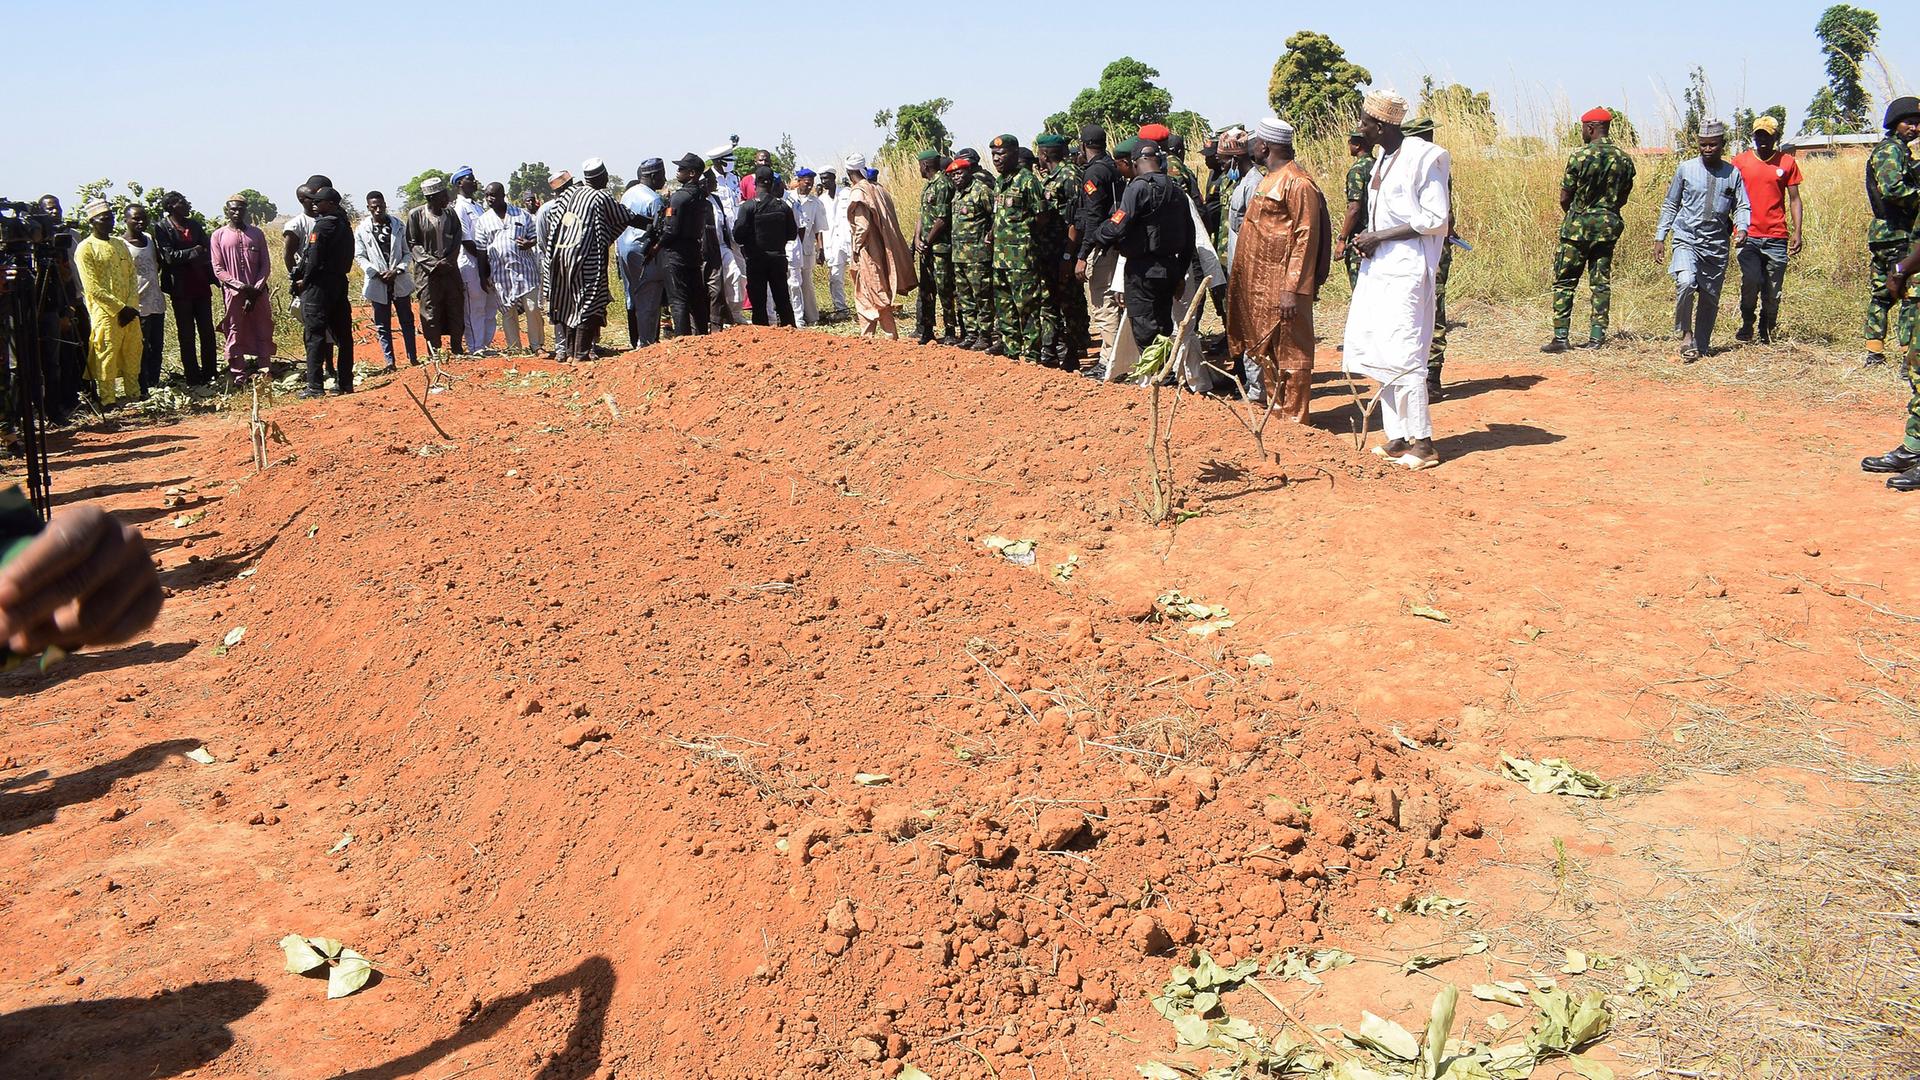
<point x="1182" y="175"/>
<point x="1437" y="352"/>
<point x="936" y="259"/>
<point x="1600" y="177"/>
<point x="1893" y="191"/>
<point x="1066" y="307"/>
<point x="973" y="257"/>
<point x="1358" y="174"/>
<point x="1018" y="204"/>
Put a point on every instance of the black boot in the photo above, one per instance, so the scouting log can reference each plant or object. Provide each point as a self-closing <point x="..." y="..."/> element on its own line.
<point x="1897" y="460"/>
<point x="1906" y="481"/>
<point x="1746" y="328"/>
<point x="1557" y="345"/>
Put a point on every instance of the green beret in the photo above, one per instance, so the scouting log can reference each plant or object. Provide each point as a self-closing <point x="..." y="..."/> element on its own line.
<point x="1421" y="126"/>
<point x="1356" y="133"/>
<point x="1006" y="142"/>
<point x="1127" y="148"/>
<point x="1051" y="141"/>
<point x="928" y="155"/>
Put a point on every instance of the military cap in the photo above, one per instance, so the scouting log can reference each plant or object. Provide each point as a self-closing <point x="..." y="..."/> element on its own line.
<point x="1050" y="141"/>
<point x="967" y="154"/>
<point x="1599" y="114"/>
<point x="1127" y="148"/>
<point x="927" y="155"/>
<point x="1147" y="148"/>
<point x="1899" y="109"/>
<point x="1177" y="143"/>
<point x="1420" y="126"/>
<point x="1155" y="132"/>
<point x="1005" y="142"/>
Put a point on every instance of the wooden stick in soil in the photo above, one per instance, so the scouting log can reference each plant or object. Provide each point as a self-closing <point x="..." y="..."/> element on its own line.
<point x="423" y="411"/>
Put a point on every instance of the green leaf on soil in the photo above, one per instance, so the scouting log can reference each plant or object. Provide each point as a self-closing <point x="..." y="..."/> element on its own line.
<point x="1553" y="776"/>
<point x="1385" y="1037"/>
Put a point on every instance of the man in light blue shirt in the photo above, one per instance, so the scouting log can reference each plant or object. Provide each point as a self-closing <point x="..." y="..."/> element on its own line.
<point x="1707" y="214"/>
<point x="638" y="249"/>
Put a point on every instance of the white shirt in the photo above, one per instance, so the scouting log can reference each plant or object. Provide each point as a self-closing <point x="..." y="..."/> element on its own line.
<point x="146" y="271"/>
<point x="299" y="226"/>
<point x="469" y="212"/>
<point x="839" y="229"/>
<point x="516" y="272"/>
<point x="810" y="214"/>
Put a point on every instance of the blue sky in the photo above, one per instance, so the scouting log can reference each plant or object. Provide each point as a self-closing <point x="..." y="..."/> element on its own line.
<point x="377" y="92"/>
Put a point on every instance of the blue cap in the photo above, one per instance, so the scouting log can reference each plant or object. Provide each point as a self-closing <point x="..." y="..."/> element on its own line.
<point x="653" y="164"/>
<point x="802" y="171"/>
<point x="461" y="173"/>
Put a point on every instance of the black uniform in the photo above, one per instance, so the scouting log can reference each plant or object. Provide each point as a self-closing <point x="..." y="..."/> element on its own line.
<point x="765" y="227"/>
<point x="1100" y="190"/>
<point x="1153" y="228"/>
<point x="684" y="248"/>
<point x="321" y="278"/>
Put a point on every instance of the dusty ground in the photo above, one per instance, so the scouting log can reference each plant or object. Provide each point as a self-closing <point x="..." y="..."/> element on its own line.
<point x="587" y="665"/>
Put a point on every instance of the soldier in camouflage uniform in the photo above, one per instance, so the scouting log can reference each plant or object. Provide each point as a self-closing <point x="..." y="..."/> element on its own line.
<point x="973" y="249"/>
<point x="1594" y="190"/>
<point x="1358" y="174"/>
<point x="933" y="244"/>
<point x="1893" y="192"/>
<point x="1066" y="306"/>
<point x="1904" y="459"/>
<point x="1018" y="207"/>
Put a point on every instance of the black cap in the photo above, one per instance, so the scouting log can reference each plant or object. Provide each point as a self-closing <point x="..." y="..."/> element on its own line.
<point x="763" y="174"/>
<point x="318" y="181"/>
<point x="326" y="194"/>
<point x="1176" y="143"/>
<point x="967" y="154"/>
<point x="1148" y="148"/>
<point x="691" y="161"/>
<point x="1900" y="109"/>
<point x="1093" y="135"/>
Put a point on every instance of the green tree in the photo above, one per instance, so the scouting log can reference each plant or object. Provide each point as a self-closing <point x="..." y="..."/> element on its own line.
<point x="145" y="195"/>
<point x="785" y="157"/>
<point x="409" y="194"/>
<point x="260" y="209"/>
<point x="1057" y="124"/>
<point x="1125" y="99"/>
<point x="1313" y="83"/>
<point x="1846" y="34"/>
<point x="1743" y="120"/>
<point x="1698" y="98"/>
<point x="1190" y="126"/>
<point x="919" y="127"/>
<point x="529" y="178"/>
<point x="1621" y="131"/>
<point x="1823" y="115"/>
<point x="1458" y="107"/>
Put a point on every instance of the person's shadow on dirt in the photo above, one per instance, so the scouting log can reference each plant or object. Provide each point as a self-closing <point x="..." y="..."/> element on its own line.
<point x="1496" y="437"/>
<point x="170" y="1033"/>
<point x="23" y="810"/>
<point x="591" y="981"/>
<point x="30" y="679"/>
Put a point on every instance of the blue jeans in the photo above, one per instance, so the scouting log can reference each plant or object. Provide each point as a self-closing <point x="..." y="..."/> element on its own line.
<point x="383" y="327"/>
<point x="1763" y="274"/>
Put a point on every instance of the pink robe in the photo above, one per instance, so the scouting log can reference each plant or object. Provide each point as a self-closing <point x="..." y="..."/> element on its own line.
<point x="241" y="260"/>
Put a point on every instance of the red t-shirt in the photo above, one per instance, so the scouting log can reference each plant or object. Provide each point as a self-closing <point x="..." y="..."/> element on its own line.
<point x="1767" y="184"/>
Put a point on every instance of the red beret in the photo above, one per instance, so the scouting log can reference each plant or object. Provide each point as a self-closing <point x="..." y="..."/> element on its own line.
<point x="1596" y="116"/>
<point x="1155" y="133"/>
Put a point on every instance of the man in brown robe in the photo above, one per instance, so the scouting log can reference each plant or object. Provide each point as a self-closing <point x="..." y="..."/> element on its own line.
<point x="1280" y="261"/>
<point x="882" y="262"/>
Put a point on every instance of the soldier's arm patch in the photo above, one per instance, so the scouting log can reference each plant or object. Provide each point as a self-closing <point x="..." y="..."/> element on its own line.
<point x="1118" y="216"/>
<point x="1090" y="187"/>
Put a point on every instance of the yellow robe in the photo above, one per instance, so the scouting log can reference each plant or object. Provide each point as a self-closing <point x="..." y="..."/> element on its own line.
<point x="113" y="354"/>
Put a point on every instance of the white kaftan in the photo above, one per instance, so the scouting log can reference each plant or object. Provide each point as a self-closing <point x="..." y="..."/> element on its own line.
<point x="1390" y="321"/>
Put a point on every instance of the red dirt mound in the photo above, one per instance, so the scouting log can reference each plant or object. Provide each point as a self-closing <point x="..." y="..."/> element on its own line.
<point x="682" y="726"/>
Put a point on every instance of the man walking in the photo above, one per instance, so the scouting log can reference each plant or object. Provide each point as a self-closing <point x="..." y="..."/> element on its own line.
<point x="380" y="247"/>
<point x="433" y="242"/>
<point x="933" y="243"/>
<point x="242" y="264"/>
<point x="187" y="277"/>
<point x="1018" y="205"/>
<point x="765" y="227"/>
<point x="1055" y="253"/>
<point x="1282" y="259"/>
<point x="1153" y="228"/>
<point x="642" y="273"/>
<point x="1100" y="190"/>
<point x="321" y="281"/>
<point x="1772" y="179"/>
<point x="810" y="216"/>
<point x="153" y="302"/>
<point x="684" y="244"/>
<point x="477" y="296"/>
<point x="972" y="250"/>
<point x="113" y="293"/>
<point x="1705" y="209"/>
<point x="506" y="236"/>
<point x="1390" y="322"/>
<point x="589" y="219"/>
<point x="1593" y="193"/>
<point x="882" y="263"/>
<point x="1893" y="194"/>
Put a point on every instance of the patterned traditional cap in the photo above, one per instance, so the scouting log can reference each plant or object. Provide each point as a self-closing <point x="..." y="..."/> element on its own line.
<point x="558" y="182"/>
<point x="1713" y="129"/>
<point x="1005" y="142"/>
<point x="1385" y="106"/>
<point x="96" y="208"/>
<point x="653" y="164"/>
<point x="1274" y="130"/>
<point x="1233" y="141"/>
<point x="593" y="167"/>
<point x="432" y="185"/>
<point x="1050" y="141"/>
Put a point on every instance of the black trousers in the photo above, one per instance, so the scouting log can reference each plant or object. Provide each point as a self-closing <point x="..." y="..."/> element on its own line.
<point x="193" y="316"/>
<point x="327" y="319"/>
<point x="686" y="293"/>
<point x="768" y="274"/>
<point x="1150" y="292"/>
<point x="152" y="329"/>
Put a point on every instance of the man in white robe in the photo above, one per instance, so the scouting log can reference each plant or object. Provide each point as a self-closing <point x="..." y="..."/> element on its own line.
<point x="1390" y="322"/>
<point x="810" y="214"/>
<point x="839" y="247"/>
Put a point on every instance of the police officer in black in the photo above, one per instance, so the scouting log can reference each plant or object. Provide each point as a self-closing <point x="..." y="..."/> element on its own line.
<point x="684" y="248"/>
<point x="1153" y="228"/>
<point x="765" y="227"/>
<point x="320" y="280"/>
<point x="1100" y="189"/>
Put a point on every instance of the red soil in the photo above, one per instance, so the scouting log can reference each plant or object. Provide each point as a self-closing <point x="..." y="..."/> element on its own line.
<point x="589" y="679"/>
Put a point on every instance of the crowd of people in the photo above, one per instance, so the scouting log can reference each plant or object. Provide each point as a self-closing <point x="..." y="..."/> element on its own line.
<point x="1068" y="253"/>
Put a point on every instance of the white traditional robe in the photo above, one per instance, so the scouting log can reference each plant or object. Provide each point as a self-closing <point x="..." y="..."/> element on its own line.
<point x="839" y="246"/>
<point x="810" y="214"/>
<point x="1390" y="322"/>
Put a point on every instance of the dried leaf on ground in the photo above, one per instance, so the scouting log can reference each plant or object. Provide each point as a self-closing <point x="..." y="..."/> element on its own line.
<point x="1424" y="612"/>
<point x="1554" y="776"/>
<point x="233" y="636"/>
<point x="201" y="755"/>
<point x="871" y="779"/>
<point x="1385" y="1037"/>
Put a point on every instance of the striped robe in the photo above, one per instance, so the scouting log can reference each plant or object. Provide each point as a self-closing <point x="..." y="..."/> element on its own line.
<point x="580" y="230"/>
